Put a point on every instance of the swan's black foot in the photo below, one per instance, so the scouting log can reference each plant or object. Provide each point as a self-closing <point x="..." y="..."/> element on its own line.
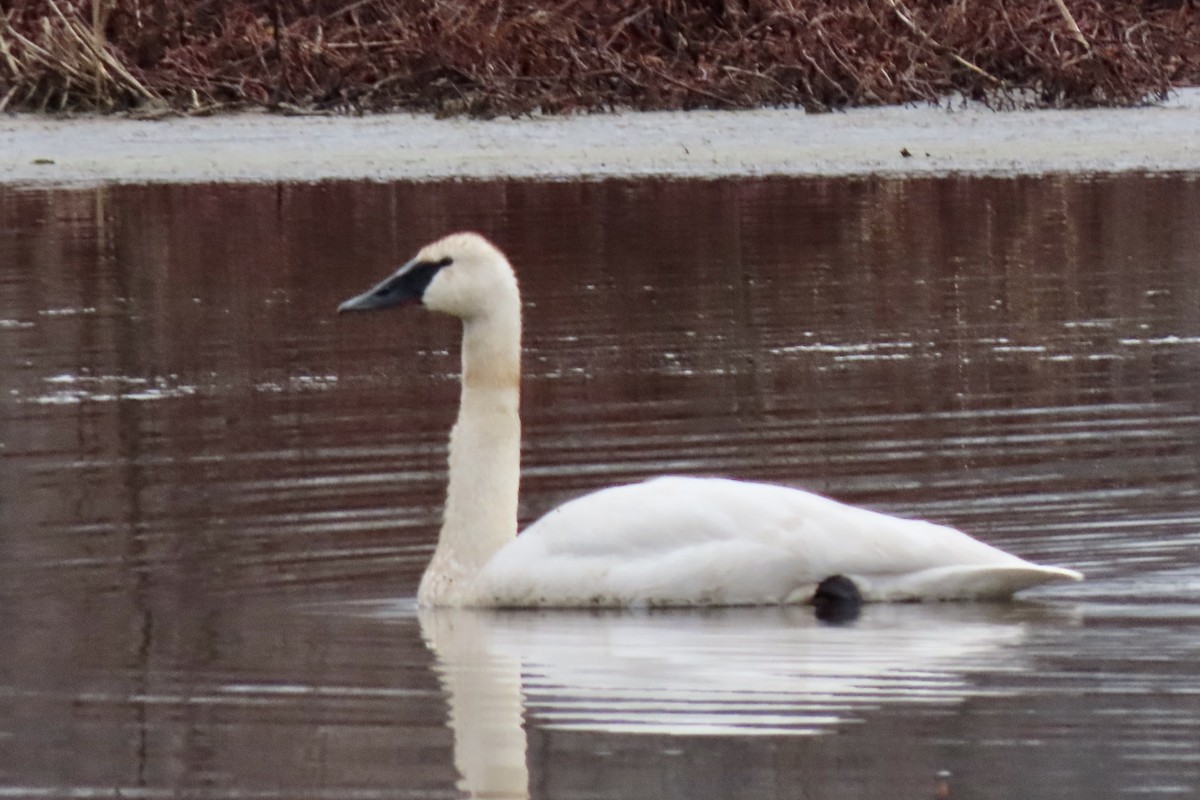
<point x="837" y="600"/>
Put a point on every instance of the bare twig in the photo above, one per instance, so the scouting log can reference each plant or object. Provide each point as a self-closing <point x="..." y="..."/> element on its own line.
<point x="724" y="102"/>
<point x="901" y="12"/>
<point x="9" y="96"/>
<point x="6" y="51"/>
<point x="1072" y="24"/>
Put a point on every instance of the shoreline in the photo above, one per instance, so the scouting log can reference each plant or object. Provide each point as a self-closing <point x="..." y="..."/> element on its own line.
<point x="254" y="147"/>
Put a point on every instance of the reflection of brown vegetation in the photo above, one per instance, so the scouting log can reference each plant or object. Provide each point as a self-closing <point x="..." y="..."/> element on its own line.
<point x="494" y="57"/>
<point x="672" y="327"/>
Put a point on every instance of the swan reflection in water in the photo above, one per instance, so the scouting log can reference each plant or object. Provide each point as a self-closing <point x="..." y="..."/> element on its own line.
<point x="765" y="671"/>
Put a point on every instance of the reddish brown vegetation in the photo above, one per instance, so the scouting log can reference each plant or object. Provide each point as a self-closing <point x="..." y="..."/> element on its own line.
<point x="487" y="57"/>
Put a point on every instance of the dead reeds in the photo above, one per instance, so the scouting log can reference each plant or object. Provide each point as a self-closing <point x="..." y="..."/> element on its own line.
<point x="488" y="57"/>
<point x="62" y="61"/>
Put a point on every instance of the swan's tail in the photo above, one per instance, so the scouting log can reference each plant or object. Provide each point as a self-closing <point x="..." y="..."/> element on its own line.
<point x="961" y="582"/>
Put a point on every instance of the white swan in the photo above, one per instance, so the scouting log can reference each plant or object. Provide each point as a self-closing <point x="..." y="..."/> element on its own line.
<point x="671" y="541"/>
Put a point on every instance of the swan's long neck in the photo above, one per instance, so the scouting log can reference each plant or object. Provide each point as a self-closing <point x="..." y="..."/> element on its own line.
<point x="485" y="457"/>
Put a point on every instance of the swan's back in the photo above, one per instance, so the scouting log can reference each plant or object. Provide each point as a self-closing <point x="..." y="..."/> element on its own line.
<point x="697" y="541"/>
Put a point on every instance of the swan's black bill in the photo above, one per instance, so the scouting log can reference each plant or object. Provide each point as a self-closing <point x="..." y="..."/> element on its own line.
<point x="406" y="285"/>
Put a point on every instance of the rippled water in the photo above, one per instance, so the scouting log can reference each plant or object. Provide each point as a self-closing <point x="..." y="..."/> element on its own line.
<point x="216" y="497"/>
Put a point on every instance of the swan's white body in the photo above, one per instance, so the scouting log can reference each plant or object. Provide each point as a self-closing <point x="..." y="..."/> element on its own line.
<point x="709" y="541"/>
<point x="667" y="542"/>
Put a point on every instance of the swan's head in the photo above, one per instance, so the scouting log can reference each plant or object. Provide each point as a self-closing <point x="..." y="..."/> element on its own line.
<point x="462" y="274"/>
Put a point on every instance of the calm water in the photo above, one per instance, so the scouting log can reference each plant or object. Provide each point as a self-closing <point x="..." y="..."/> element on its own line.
<point x="216" y="497"/>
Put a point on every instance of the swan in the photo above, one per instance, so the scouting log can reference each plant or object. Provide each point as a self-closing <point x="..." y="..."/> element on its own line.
<point x="669" y="541"/>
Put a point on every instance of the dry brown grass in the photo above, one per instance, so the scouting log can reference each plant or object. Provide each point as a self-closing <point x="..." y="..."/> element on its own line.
<point x="487" y="57"/>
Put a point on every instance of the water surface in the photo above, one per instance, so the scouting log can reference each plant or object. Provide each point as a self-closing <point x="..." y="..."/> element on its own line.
<point x="216" y="497"/>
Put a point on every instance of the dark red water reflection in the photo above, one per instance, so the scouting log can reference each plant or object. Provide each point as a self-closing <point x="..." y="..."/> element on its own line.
<point x="194" y="450"/>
